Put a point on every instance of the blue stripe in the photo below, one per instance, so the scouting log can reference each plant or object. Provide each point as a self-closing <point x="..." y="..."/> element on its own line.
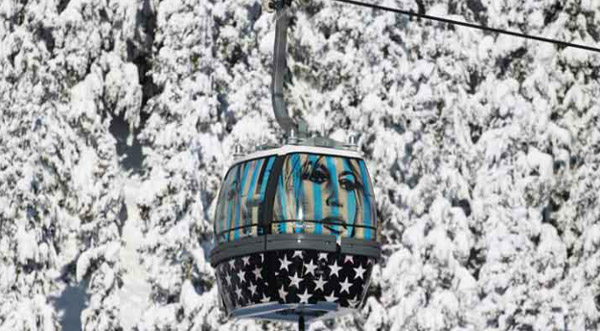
<point x="265" y="179"/>
<point x="350" y="202"/>
<point x="281" y="196"/>
<point x="367" y="197"/>
<point x="335" y="212"/>
<point x="296" y="169"/>
<point x="263" y="185"/>
<point x="317" y="199"/>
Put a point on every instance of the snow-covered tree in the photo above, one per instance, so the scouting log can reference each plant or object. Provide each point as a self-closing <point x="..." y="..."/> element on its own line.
<point x="483" y="149"/>
<point x="182" y="167"/>
<point x="62" y="82"/>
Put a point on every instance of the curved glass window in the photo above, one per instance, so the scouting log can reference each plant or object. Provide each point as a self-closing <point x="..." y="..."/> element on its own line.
<point x="324" y="195"/>
<point x="241" y="199"/>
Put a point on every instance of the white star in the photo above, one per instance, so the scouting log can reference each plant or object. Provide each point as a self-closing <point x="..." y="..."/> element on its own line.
<point x="349" y="258"/>
<point x="246" y="260"/>
<point x="241" y="276"/>
<point x="323" y="256"/>
<point x="304" y="297"/>
<point x="331" y="298"/>
<point x="262" y="257"/>
<point x="295" y="281"/>
<point x="359" y="272"/>
<point x="310" y="268"/>
<point x="346" y="286"/>
<point x="231" y="264"/>
<point x="252" y="289"/>
<point x="239" y="292"/>
<point x="370" y="261"/>
<point x="298" y="253"/>
<point x="335" y="269"/>
<point x="282" y="293"/>
<point x="353" y="303"/>
<point x="284" y="263"/>
<point x="265" y="299"/>
<point x="320" y="283"/>
<point x="228" y="278"/>
<point x="257" y="272"/>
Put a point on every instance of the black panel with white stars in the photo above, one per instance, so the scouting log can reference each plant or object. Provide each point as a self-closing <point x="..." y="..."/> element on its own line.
<point x="294" y="276"/>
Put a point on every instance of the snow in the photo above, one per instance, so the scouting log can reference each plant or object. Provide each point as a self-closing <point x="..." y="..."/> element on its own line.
<point x="484" y="158"/>
<point x="542" y="161"/>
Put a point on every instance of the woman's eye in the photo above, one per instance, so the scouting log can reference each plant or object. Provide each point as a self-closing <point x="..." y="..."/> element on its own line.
<point x="348" y="182"/>
<point x="318" y="176"/>
<point x="315" y="173"/>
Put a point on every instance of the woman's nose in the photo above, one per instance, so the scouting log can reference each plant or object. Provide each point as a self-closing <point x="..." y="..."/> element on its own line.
<point x="333" y="201"/>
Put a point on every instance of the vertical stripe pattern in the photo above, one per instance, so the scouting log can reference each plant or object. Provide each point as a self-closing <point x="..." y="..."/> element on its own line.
<point x="367" y="208"/>
<point x="239" y="207"/>
<point x="317" y="202"/>
<point x="241" y="199"/>
<point x="333" y="198"/>
<point x="333" y="193"/>
<point x="350" y="179"/>
<point x="251" y="202"/>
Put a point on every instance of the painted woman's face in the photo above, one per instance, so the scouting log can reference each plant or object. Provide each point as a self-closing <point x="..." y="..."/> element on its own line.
<point x="326" y="191"/>
<point x="336" y="186"/>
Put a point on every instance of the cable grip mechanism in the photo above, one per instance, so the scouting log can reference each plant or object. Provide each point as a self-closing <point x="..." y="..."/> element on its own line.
<point x="270" y="6"/>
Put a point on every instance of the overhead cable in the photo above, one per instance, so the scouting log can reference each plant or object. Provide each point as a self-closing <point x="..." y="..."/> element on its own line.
<point x="469" y="25"/>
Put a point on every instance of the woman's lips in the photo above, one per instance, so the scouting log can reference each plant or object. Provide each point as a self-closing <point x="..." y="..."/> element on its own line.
<point x="336" y="220"/>
<point x="332" y="221"/>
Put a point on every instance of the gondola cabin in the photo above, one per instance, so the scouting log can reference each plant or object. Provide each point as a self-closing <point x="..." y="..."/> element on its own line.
<point x="295" y="234"/>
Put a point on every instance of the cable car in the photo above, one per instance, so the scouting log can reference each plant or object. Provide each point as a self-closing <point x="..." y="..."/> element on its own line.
<point x="295" y="226"/>
<point x="296" y="234"/>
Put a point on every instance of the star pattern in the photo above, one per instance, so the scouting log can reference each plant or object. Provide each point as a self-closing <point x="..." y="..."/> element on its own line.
<point x="304" y="297"/>
<point x="310" y="268"/>
<point x="284" y="263"/>
<point x="295" y="281"/>
<point x="319" y="283"/>
<point x="359" y="272"/>
<point x="294" y="276"/>
<point x="241" y="276"/>
<point x="257" y="273"/>
<point x="335" y="269"/>
<point x="331" y="297"/>
<point x="345" y="286"/>
<point x="282" y="293"/>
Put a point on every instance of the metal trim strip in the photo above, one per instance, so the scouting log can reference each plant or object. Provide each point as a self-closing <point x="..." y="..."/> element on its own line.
<point x="326" y="243"/>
